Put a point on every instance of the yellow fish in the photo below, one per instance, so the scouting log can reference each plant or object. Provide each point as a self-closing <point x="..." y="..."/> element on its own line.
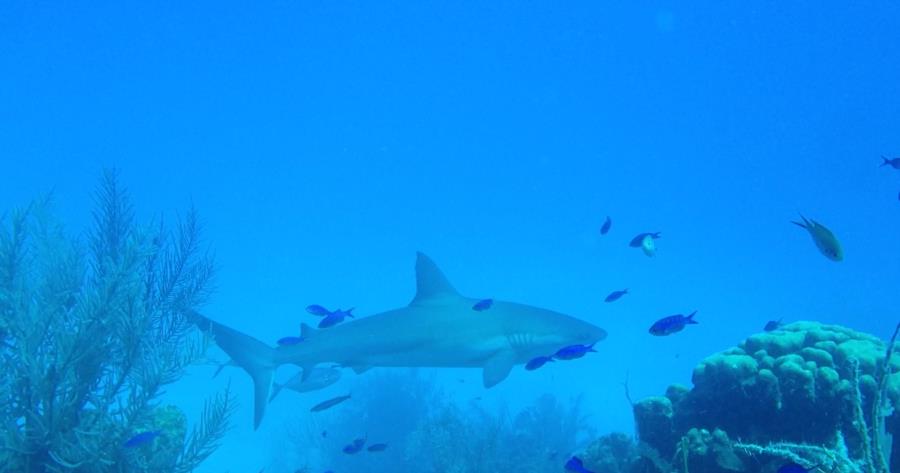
<point x="825" y="241"/>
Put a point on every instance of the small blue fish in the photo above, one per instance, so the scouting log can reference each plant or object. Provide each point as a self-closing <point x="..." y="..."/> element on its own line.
<point x="377" y="447"/>
<point x="606" y="225"/>
<point x="324" y="433"/>
<point x="639" y="239"/>
<point x="894" y="163"/>
<point x="536" y="363"/>
<point x="317" y="310"/>
<point x="335" y="318"/>
<point x="773" y="325"/>
<point x="284" y="341"/>
<point x="615" y="295"/>
<point x="672" y="324"/>
<point x="330" y="321"/>
<point x="573" y="352"/>
<point x="142" y="438"/>
<point x="329" y="403"/>
<point x="344" y="313"/>
<point x="354" y="447"/>
<point x="483" y="304"/>
<point x="575" y="465"/>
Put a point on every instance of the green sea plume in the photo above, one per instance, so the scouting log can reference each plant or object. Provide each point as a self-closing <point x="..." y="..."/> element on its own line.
<point x="91" y="331"/>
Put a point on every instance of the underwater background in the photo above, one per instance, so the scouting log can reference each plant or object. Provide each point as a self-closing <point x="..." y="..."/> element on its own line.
<point x="323" y="144"/>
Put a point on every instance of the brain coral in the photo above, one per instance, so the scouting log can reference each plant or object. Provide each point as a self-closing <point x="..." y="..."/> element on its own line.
<point x="794" y="383"/>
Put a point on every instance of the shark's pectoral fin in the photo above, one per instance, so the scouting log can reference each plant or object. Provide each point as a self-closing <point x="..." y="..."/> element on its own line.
<point x="497" y="368"/>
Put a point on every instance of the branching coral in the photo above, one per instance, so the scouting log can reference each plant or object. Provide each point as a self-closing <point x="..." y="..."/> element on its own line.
<point x="90" y="334"/>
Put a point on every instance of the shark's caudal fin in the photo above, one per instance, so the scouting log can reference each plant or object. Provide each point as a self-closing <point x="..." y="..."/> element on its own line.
<point x="254" y="356"/>
<point x="431" y="284"/>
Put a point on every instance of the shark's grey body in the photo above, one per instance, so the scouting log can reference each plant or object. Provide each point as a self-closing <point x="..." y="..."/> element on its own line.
<point x="438" y="328"/>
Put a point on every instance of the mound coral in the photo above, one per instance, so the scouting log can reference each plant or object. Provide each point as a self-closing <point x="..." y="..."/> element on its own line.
<point x="612" y="453"/>
<point x="804" y="387"/>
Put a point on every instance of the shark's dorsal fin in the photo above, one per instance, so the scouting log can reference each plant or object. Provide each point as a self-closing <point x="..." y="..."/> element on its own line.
<point x="431" y="284"/>
<point x="306" y="331"/>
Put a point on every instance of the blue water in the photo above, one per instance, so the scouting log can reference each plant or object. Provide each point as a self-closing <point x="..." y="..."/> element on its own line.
<point x="324" y="143"/>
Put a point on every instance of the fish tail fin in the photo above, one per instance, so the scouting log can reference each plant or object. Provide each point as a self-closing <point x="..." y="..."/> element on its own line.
<point x="690" y="318"/>
<point x="804" y="225"/>
<point x="886" y="161"/>
<point x="254" y="356"/>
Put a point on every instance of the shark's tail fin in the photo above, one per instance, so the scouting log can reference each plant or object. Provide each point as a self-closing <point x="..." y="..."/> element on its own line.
<point x="254" y="356"/>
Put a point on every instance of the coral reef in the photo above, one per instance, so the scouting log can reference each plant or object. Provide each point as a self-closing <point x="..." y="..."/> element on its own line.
<point x="536" y="440"/>
<point x="807" y="392"/>
<point x="612" y="453"/>
<point x="427" y="431"/>
<point x="387" y="405"/>
<point x="90" y="334"/>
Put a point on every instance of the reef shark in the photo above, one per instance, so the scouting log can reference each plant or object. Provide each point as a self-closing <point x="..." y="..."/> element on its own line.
<point x="438" y="328"/>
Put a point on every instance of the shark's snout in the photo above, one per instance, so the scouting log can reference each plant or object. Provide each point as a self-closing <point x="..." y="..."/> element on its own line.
<point x="593" y="334"/>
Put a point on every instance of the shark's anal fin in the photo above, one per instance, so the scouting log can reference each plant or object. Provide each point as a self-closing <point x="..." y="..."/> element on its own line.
<point x="431" y="283"/>
<point x="497" y="368"/>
